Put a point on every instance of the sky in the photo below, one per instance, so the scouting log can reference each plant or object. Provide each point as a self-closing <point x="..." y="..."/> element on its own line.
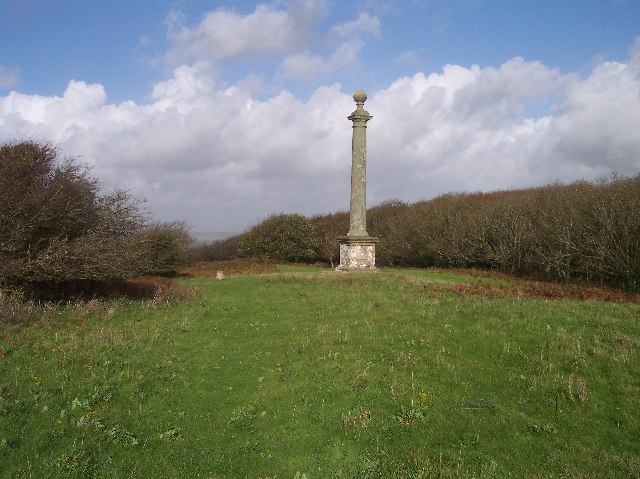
<point x="220" y="113"/>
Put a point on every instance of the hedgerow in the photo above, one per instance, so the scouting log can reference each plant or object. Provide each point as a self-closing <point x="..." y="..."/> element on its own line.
<point x="586" y="231"/>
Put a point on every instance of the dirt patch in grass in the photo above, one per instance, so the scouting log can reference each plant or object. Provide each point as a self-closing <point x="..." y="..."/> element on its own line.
<point x="230" y="267"/>
<point x="534" y="289"/>
<point x="159" y="289"/>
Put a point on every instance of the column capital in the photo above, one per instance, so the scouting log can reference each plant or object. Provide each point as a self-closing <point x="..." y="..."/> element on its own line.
<point x="360" y="114"/>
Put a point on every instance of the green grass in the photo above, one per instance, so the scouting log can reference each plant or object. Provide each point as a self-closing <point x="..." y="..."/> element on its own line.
<point x="309" y="372"/>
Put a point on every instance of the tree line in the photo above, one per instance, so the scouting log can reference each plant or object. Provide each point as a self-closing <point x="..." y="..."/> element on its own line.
<point x="585" y="231"/>
<point x="57" y="226"/>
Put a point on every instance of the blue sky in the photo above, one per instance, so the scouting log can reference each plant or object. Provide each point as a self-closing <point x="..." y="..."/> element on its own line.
<point x="222" y="112"/>
<point x="118" y="43"/>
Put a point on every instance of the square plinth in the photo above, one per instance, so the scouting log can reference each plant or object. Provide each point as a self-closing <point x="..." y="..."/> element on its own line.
<point x="357" y="253"/>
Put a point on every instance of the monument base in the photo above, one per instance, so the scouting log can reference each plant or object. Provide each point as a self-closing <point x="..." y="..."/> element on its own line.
<point x="357" y="253"/>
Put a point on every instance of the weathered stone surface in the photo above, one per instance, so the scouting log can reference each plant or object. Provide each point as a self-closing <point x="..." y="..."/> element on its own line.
<point x="357" y="253"/>
<point x="358" y="204"/>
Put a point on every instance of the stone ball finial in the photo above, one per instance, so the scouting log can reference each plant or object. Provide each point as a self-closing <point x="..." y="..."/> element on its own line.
<point x="360" y="96"/>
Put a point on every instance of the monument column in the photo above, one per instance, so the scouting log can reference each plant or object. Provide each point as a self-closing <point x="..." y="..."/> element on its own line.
<point x="358" y="249"/>
<point x="358" y="205"/>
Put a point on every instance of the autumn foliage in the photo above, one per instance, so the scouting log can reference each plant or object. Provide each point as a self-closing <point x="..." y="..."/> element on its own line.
<point x="588" y="231"/>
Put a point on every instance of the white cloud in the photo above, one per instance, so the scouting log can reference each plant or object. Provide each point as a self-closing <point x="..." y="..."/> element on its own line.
<point x="499" y="96"/>
<point x="306" y="66"/>
<point x="595" y="129"/>
<point x="272" y="33"/>
<point x="227" y="35"/>
<point x="220" y="158"/>
<point x="214" y="156"/>
<point x="466" y="129"/>
<point x="187" y="84"/>
<point x="365" y="23"/>
<point x="55" y="117"/>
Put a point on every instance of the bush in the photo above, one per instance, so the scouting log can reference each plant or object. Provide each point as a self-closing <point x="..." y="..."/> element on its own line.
<point x="587" y="231"/>
<point x="165" y="246"/>
<point x="288" y="237"/>
<point x="395" y="229"/>
<point x="55" y="226"/>
<point x="327" y="228"/>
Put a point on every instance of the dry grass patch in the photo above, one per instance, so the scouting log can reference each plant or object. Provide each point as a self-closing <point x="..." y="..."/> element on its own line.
<point x="230" y="267"/>
<point x="517" y="288"/>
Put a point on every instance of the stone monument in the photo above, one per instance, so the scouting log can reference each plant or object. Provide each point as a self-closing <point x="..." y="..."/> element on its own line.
<point x="358" y="249"/>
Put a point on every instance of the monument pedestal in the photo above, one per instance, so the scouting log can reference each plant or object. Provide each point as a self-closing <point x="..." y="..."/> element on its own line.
<point x="357" y="253"/>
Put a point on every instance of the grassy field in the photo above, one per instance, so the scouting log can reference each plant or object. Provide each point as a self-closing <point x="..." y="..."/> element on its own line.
<point x="305" y="372"/>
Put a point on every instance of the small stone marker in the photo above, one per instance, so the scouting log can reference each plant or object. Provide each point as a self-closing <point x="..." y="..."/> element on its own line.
<point x="220" y="275"/>
<point x="358" y="249"/>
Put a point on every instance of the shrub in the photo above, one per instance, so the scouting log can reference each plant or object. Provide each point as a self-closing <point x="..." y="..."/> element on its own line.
<point x="55" y="226"/>
<point x="164" y="247"/>
<point x="395" y="229"/>
<point x="327" y="228"/>
<point x="288" y="237"/>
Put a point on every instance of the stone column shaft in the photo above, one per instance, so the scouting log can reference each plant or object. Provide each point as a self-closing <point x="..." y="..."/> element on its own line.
<point x="358" y="204"/>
